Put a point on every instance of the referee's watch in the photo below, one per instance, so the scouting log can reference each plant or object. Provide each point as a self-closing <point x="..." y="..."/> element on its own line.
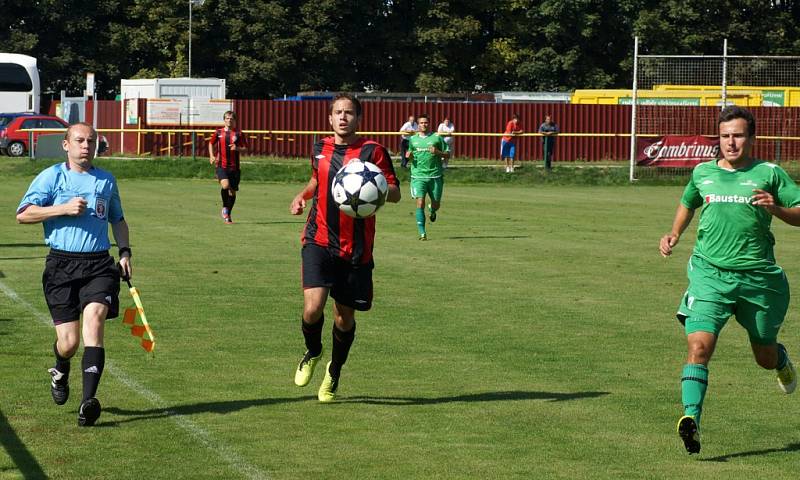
<point x="124" y="250"/>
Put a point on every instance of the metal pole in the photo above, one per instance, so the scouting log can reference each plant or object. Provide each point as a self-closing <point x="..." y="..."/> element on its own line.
<point x="94" y="109"/>
<point x="633" y="106"/>
<point x="190" y="38"/>
<point x="122" y="121"/>
<point x="724" y="73"/>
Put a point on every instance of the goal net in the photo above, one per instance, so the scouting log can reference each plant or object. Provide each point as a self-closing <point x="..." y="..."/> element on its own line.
<point x="676" y="100"/>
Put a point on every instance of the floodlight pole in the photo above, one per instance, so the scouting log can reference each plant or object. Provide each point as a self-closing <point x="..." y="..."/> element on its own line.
<point x="190" y="37"/>
<point x="199" y="3"/>
<point x="725" y="73"/>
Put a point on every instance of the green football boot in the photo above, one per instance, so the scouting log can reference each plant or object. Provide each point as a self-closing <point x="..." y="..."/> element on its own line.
<point x="327" y="391"/>
<point x="305" y="370"/>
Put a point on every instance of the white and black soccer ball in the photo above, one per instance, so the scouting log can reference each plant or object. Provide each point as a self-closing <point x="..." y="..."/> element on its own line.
<point x="359" y="189"/>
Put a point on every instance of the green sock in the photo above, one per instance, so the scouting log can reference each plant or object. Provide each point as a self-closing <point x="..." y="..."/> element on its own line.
<point x="694" y="382"/>
<point x="420" y="214"/>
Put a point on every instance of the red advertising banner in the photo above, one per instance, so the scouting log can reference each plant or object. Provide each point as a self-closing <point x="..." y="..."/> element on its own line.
<point x="675" y="151"/>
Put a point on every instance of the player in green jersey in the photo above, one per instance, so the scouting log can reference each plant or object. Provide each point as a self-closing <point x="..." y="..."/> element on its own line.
<point x="732" y="270"/>
<point x="426" y="152"/>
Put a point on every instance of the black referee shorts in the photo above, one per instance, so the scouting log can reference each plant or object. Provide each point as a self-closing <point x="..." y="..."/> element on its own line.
<point x="350" y="285"/>
<point x="73" y="280"/>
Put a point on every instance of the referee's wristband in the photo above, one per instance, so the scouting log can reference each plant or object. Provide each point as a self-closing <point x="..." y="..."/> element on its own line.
<point x="124" y="250"/>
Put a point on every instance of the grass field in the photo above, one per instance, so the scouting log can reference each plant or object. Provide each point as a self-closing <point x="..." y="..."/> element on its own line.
<point x="531" y="337"/>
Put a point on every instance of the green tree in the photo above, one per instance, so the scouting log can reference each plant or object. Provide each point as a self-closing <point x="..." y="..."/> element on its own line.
<point x="753" y="27"/>
<point x="67" y="42"/>
<point x="267" y="48"/>
<point x="556" y="45"/>
<point x="448" y="35"/>
<point x="251" y="44"/>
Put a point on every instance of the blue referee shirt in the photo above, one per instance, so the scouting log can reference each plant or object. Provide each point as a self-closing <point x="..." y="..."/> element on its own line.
<point x="89" y="232"/>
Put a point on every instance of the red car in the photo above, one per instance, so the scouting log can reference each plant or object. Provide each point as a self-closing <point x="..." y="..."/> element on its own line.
<point x="15" y="143"/>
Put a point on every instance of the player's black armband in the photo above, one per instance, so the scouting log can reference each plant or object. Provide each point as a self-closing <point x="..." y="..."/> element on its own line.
<point x="125" y="250"/>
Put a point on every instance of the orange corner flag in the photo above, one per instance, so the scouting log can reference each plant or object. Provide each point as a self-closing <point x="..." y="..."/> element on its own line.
<point x="139" y="330"/>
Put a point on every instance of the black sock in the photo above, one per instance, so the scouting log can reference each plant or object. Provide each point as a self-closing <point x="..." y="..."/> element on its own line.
<point x="313" y="335"/>
<point x="224" y="194"/>
<point x="62" y="364"/>
<point x="342" y="341"/>
<point x="231" y="201"/>
<point x="94" y="359"/>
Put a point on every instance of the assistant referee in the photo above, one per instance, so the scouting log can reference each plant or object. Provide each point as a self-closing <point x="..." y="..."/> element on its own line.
<point x="76" y="201"/>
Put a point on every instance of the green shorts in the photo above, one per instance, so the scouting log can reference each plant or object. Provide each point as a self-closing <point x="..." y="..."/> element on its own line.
<point x="433" y="187"/>
<point x="758" y="298"/>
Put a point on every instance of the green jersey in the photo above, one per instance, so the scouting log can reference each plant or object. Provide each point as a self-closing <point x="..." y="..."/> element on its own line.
<point x="425" y="164"/>
<point x="732" y="233"/>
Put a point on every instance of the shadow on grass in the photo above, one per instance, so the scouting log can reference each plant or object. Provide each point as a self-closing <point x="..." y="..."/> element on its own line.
<point x="792" y="447"/>
<point x="277" y="222"/>
<point x="475" y="397"/>
<point x="236" y="405"/>
<point x="25" y="462"/>
<point x="478" y="237"/>
<point x="194" y="408"/>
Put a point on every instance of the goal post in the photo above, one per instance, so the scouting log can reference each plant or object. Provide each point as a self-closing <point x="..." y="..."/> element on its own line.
<point x="676" y="99"/>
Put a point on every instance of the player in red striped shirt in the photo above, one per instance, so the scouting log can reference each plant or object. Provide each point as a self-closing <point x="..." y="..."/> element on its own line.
<point x="337" y="249"/>
<point x="229" y="143"/>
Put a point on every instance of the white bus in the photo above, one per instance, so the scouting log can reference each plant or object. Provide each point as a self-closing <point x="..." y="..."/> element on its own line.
<point x="19" y="83"/>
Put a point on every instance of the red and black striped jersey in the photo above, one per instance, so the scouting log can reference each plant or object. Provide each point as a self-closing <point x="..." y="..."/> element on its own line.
<point x="349" y="238"/>
<point x="223" y="139"/>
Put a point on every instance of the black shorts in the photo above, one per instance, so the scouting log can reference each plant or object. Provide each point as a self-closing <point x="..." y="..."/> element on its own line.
<point x="350" y="285"/>
<point x="73" y="280"/>
<point x="233" y="177"/>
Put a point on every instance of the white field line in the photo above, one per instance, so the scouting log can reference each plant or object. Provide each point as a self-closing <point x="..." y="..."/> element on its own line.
<point x="225" y="452"/>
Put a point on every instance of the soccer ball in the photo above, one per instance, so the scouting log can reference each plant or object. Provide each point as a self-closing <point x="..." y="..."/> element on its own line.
<point x="359" y="189"/>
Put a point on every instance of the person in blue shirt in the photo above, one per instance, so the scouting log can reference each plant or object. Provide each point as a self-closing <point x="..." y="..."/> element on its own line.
<point x="75" y="201"/>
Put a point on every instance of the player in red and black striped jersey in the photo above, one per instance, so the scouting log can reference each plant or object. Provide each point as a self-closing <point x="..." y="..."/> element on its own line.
<point x="337" y="249"/>
<point x="348" y="238"/>
<point x="224" y="148"/>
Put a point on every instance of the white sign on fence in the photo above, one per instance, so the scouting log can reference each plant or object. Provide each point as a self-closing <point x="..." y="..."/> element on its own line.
<point x="165" y="111"/>
<point x="208" y="112"/>
<point x="186" y="111"/>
